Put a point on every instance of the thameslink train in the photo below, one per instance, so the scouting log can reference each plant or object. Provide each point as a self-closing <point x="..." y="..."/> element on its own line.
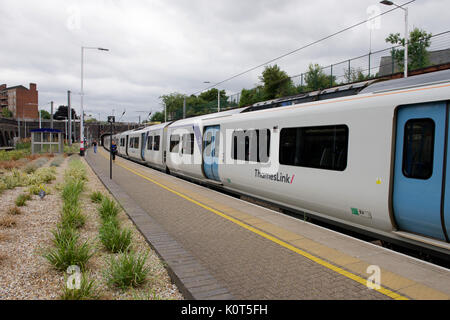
<point x="373" y="160"/>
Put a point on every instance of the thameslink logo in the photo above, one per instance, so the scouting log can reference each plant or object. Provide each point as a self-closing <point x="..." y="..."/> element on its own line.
<point x="278" y="177"/>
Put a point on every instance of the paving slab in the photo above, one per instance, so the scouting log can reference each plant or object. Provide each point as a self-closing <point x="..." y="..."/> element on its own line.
<point x="253" y="252"/>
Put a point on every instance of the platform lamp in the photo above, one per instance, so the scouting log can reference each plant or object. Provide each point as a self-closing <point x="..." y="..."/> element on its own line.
<point x="82" y="94"/>
<point x="390" y="3"/>
<point x="111" y="120"/>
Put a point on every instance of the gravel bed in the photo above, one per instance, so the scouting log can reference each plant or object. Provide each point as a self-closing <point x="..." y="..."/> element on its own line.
<point x="159" y="285"/>
<point x="25" y="274"/>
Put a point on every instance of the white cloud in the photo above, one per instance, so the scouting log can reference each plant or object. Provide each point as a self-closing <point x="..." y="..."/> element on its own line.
<point x="158" y="47"/>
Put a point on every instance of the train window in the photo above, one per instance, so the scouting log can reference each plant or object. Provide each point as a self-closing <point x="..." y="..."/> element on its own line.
<point x="418" y="148"/>
<point x="136" y="143"/>
<point x="174" y="143"/>
<point x="188" y="144"/>
<point x="251" y="145"/>
<point x="322" y="147"/>
<point x="150" y="143"/>
<point x="131" y="142"/>
<point x="156" y="143"/>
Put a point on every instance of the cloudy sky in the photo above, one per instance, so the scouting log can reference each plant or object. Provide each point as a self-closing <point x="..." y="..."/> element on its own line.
<point x="163" y="46"/>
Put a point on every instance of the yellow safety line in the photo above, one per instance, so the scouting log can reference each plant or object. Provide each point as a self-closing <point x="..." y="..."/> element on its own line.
<point x="317" y="260"/>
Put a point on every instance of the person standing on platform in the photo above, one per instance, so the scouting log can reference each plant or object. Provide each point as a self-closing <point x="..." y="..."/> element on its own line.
<point x="94" y="144"/>
<point x="113" y="150"/>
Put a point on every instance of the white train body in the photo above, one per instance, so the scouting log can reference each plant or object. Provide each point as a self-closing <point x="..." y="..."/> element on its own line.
<point x="357" y="193"/>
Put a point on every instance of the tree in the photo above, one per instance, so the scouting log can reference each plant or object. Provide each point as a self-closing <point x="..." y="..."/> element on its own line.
<point x="6" y="113"/>
<point x="353" y="75"/>
<point x="316" y="79"/>
<point x="62" y="113"/>
<point x="251" y="96"/>
<point x="418" y="42"/>
<point x="276" y="83"/>
<point x="157" y="117"/>
<point x="45" y="114"/>
<point x="211" y="95"/>
<point x="174" y="105"/>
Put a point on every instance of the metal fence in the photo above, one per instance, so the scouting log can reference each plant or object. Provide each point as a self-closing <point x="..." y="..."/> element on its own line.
<point x="371" y="65"/>
<point x="380" y="63"/>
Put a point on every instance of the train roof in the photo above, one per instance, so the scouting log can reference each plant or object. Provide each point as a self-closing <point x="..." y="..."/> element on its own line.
<point x="208" y="116"/>
<point x="413" y="81"/>
<point x="351" y="89"/>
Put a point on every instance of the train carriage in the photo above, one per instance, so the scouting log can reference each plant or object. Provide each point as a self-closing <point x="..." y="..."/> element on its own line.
<point x="374" y="161"/>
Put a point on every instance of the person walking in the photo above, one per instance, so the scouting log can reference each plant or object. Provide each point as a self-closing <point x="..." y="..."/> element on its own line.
<point x="113" y="150"/>
<point x="94" y="144"/>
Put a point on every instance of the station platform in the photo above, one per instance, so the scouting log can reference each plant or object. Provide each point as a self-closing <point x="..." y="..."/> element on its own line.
<point x="219" y="247"/>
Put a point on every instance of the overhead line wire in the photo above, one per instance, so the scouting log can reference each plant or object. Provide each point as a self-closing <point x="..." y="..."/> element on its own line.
<point x="303" y="47"/>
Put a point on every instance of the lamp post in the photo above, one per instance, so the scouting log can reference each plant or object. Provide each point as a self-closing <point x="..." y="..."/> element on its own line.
<point x="82" y="94"/>
<point x="390" y="3"/>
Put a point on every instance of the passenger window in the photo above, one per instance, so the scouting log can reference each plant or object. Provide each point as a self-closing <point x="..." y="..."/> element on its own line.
<point x="322" y="147"/>
<point x="150" y="143"/>
<point x="251" y="145"/>
<point x="418" y="148"/>
<point x="188" y="144"/>
<point x="156" y="144"/>
<point x="174" y="143"/>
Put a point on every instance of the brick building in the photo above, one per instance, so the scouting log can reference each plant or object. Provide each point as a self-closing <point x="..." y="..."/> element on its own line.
<point x="22" y="102"/>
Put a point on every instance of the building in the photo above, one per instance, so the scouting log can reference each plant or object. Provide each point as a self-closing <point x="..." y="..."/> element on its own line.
<point x="22" y="102"/>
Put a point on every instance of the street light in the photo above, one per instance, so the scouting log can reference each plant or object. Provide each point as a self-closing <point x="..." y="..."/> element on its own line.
<point x="390" y="3"/>
<point x="82" y="94"/>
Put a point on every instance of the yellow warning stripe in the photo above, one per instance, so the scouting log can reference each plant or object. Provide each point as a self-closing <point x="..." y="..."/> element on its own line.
<point x="286" y="245"/>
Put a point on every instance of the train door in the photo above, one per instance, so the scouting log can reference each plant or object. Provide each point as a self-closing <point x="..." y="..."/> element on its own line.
<point x="211" y="142"/>
<point x="126" y="146"/>
<point x="143" y="144"/>
<point x="421" y="199"/>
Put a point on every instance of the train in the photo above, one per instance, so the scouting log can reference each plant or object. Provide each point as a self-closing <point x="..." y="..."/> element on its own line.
<point x="370" y="157"/>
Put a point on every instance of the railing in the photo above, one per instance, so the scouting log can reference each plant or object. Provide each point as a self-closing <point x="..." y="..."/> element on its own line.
<point x="371" y="65"/>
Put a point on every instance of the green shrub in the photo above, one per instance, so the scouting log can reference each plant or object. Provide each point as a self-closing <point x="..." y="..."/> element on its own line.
<point x="63" y="235"/>
<point x="57" y="162"/>
<point x="72" y="190"/>
<point x="127" y="270"/>
<point x="15" y="179"/>
<point x="96" y="197"/>
<point x="108" y="208"/>
<point x="88" y="290"/>
<point x="113" y="238"/>
<point x="26" y="146"/>
<point x="35" y="189"/>
<point x="76" y="170"/>
<point x="71" y="216"/>
<point x="3" y="186"/>
<point x="75" y="148"/>
<point x="13" y="155"/>
<point x="111" y="220"/>
<point x="68" y="253"/>
<point x="22" y="199"/>
<point x="45" y="175"/>
<point x="30" y="168"/>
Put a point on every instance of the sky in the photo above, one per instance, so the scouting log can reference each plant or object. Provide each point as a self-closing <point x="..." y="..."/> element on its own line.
<point x="158" y="47"/>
